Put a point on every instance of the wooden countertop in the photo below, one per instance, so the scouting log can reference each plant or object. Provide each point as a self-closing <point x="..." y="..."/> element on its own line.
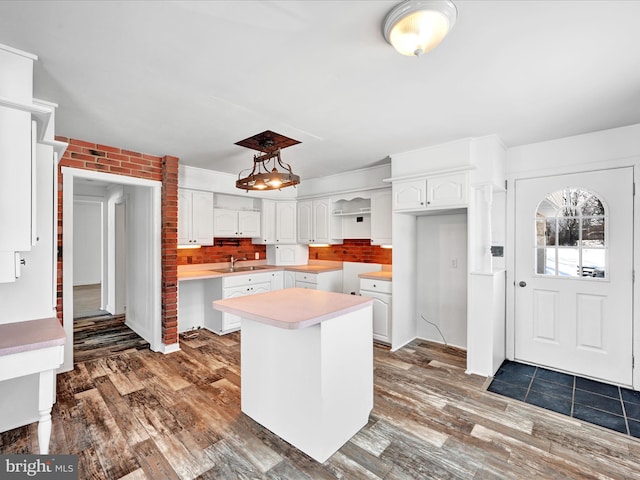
<point x="312" y="268"/>
<point x="207" y="271"/>
<point x="30" y="335"/>
<point x="292" y="308"/>
<point x="381" y="275"/>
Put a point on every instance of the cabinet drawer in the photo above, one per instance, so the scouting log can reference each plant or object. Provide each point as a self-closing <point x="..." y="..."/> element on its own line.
<point x="383" y="286"/>
<point x="307" y="277"/>
<point x="239" y="280"/>
<point x="239" y="291"/>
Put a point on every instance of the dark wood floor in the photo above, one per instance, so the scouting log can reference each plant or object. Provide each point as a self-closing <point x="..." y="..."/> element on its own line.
<point x="144" y="415"/>
<point x="103" y="336"/>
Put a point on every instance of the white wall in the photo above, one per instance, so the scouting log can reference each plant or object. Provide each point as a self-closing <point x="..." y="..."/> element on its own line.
<point x="87" y="247"/>
<point x="362" y="179"/>
<point x="442" y="278"/>
<point x="219" y="182"/>
<point x="575" y="153"/>
<point x="403" y="326"/>
<point x="139" y="233"/>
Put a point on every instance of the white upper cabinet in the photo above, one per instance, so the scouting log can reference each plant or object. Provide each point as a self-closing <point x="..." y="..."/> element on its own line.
<point x="305" y="221"/>
<point x="447" y="190"/>
<point x="248" y="224"/>
<point x="410" y="194"/>
<point x="234" y="223"/>
<point x="322" y="221"/>
<point x="17" y="151"/>
<point x="267" y="223"/>
<point x="431" y="192"/>
<point x="317" y="224"/>
<point x="278" y="223"/>
<point x="195" y="217"/>
<point x="381" y="217"/>
<point x="18" y="135"/>
<point x="286" y="222"/>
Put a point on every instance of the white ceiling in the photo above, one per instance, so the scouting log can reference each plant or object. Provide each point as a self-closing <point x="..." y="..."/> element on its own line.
<point x="189" y="78"/>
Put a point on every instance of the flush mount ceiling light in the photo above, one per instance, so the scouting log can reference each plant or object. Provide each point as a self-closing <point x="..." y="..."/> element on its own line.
<point x="415" y="27"/>
<point x="265" y="174"/>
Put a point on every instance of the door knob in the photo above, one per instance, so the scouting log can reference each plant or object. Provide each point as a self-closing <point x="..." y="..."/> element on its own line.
<point x="522" y="283"/>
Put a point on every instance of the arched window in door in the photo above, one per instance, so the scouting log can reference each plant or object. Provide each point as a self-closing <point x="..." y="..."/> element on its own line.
<point x="571" y="235"/>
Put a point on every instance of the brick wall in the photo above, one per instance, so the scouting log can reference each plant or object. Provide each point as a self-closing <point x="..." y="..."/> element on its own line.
<point x="352" y="251"/>
<point x="103" y="158"/>
<point x="221" y="253"/>
<point x="349" y="251"/>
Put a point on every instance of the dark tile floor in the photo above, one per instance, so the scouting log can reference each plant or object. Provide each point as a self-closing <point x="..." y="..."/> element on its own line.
<point x="609" y="406"/>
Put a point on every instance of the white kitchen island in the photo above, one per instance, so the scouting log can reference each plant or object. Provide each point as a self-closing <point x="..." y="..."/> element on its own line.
<point x="306" y="365"/>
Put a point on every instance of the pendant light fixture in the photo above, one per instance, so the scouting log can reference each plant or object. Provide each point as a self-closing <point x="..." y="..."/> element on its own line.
<point x="415" y="27"/>
<point x="269" y="172"/>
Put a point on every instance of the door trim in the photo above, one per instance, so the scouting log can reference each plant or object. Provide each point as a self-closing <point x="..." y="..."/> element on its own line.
<point x="155" y="270"/>
<point x="510" y="244"/>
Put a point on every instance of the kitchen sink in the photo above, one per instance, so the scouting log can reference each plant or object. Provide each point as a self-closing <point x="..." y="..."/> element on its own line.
<point x="248" y="268"/>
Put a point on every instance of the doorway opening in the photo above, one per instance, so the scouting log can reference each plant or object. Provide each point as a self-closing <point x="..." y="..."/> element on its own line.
<point x="111" y="264"/>
<point x="441" y="266"/>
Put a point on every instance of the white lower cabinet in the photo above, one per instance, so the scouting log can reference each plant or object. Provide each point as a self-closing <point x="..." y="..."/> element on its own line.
<point x="231" y="287"/>
<point x="232" y="322"/>
<point x="277" y="280"/>
<point x="328" y="281"/>
<point x="289" y="279"/>
<point x="380" y="291"/>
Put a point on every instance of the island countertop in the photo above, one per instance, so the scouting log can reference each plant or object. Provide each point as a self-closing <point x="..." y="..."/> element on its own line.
<point x="292" y="308"/>
<point x="30" y="335"/>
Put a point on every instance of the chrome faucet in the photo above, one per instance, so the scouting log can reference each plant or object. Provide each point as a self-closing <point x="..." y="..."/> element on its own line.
<point x="234" y="260"/>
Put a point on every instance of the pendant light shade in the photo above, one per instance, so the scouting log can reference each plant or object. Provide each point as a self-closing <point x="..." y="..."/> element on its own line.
<point x="415" y="27"/>
<point x="269" y="172"/>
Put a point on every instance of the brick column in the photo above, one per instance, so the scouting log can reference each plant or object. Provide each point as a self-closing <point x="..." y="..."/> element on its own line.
<point x="169" y="250"/>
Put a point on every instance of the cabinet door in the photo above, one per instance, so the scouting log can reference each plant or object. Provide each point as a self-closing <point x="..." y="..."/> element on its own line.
<point x="381" y="218"/>
<point x="202" y="218"/>
<point x="230" y="321"/>
<point x="248" y="224"/>
<point x="381" y="315"/>
<point x="305" y="221"/>
<point x="286" y="222"/>
<point x="260" y="288"/>
<point x="15" y="180"/>
<point x="225" y="222"/>
<point x="410" y="195"/>
<point x="289" y="279"/>
<point x="277" y="280"/>
<point x="286" y="254"/>
<point x="447" y="190"/>
<point x="267" y="224"/>
<point x="321" y="223"/>
<point x="185" y="215"/>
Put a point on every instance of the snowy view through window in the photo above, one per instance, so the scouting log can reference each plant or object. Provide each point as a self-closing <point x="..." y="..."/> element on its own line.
<point x="570" y="235"/>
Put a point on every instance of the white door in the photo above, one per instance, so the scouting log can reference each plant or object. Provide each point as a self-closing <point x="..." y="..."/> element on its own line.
<point x="573" y="273"/>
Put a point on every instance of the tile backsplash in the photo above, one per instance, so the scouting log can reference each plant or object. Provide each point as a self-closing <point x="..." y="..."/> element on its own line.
<point x="349" y="251"/>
